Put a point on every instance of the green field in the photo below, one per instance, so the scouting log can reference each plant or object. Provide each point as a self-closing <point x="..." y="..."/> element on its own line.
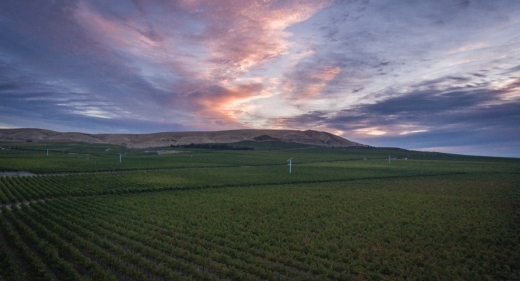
<point x="342" y="214"/>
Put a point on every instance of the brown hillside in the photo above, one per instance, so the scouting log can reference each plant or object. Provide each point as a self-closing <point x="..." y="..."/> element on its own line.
<point x="178" y="138"/>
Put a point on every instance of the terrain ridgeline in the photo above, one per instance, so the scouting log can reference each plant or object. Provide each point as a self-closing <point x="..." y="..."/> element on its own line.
<point x="309" y="137"/>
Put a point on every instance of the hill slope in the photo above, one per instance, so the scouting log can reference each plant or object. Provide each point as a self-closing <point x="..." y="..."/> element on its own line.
<point x="178" y="138"/>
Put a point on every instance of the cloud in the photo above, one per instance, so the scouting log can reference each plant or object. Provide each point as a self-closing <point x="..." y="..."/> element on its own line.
<point x="511" y="89"/>
<point x="387" y="44"/>
<point x="68" y="112"/>
<point x="203" y="57"/>
<point x="225" y="40"/>
<point x="412" y="132"/>
<point x="424" y="73"/>
<point x="247" y="34"/>
<point x="8" y="86"/>
<point x="469" y="116"/>
<point x="309" y="83"/>
<point x="218" y="102"/>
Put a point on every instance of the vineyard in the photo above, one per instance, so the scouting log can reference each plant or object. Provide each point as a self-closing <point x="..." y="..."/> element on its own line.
<point x="239" y="215"/>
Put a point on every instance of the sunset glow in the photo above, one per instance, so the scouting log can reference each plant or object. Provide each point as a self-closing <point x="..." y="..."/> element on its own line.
<point x="425" y="74"/>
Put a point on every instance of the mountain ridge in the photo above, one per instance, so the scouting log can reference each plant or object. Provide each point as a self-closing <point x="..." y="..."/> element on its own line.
<point x="162" y="139"/>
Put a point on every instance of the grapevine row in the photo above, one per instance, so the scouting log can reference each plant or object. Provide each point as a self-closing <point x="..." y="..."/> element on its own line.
<point x="249" y="246"/>
<point x="222" y="250"/>
<point x="150" y="247"/>
<point x="112" y="256"/>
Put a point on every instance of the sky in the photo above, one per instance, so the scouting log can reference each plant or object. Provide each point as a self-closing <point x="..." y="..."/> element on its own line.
<point x="439" y="75"/>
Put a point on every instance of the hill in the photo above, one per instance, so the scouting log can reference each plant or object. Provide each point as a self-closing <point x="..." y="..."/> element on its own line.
<point x="309" y="137"/>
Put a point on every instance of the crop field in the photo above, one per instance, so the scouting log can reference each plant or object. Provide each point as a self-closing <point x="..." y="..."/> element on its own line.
<point x="202" y="214"/>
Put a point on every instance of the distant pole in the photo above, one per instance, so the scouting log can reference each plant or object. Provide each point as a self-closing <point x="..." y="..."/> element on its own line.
<point x="119" y="157"/>
<point x="290" y="165"/>
<point x="388" y="158"/>
<point x="47" y="152"/>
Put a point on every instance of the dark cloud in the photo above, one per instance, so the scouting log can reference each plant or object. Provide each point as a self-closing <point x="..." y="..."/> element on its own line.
<point x="8" y="86"/>
<point x="433" y="118"/>
<point x="52" y="67"/>
<point x="420" y="73"/>
<point x="53" y="112"/>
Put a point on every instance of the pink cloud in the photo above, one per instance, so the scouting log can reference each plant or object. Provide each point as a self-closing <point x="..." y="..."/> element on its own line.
<point x="217" y="40"/>
<point x="511" y="90"/>
<point x="217" y="105"/>
<point x="203" y="56"/>
<point x="123" y="35"/>
<point x="311" y="84"/>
